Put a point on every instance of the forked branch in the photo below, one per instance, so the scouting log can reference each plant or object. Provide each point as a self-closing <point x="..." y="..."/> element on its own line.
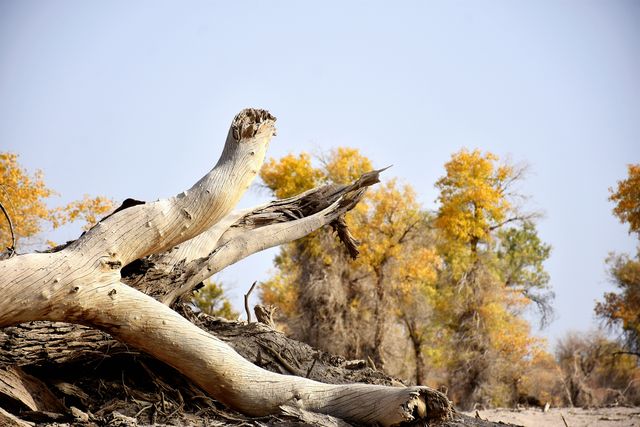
<point x="82" y="284"/>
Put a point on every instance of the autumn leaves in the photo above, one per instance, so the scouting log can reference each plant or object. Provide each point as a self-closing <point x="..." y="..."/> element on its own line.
<point x="435" y="295"/>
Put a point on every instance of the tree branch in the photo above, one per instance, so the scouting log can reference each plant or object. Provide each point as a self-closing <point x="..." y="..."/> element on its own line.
<point x="630" y="353"/>
<point x="521" y="218"/>
<point x="246" y="301"/>
<point x="82" y="284"/>
<point x="11" y="249"/>
<point x="273" y="225"/>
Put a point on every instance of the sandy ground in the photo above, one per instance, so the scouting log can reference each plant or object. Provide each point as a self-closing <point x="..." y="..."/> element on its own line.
<point x="574" y="417"/>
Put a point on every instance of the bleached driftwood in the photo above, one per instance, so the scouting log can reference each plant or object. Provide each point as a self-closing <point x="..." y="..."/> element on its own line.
<point x="82" y="284"/>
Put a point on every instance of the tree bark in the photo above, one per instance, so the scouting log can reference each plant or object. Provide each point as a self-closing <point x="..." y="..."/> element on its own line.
<point x="416" y="341"/>
<point x="379" y="316"/>
<point x="82" y="284"/>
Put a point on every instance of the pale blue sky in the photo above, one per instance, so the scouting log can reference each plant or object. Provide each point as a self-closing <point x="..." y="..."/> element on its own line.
<point x="134" y="98"/>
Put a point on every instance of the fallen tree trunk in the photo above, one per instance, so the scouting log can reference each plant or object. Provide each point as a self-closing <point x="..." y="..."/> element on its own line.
<point x="186" y="238"/>
<point x="109" y="382"/>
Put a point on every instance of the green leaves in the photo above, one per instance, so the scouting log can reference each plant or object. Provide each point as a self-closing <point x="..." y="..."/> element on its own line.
<point x="210" y="299"/>
<point x="622" y="309"/>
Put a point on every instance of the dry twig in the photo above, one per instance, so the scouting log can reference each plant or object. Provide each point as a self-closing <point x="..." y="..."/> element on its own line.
<point x="12" y="248"/>
<point x="246" y="301"/>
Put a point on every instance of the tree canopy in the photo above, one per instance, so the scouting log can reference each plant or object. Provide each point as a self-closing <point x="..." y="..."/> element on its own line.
<point x="621" y="309"/>
<point x="450" y="284"/>
<point x="321" y="291"/>
<point x="627" y="199"/>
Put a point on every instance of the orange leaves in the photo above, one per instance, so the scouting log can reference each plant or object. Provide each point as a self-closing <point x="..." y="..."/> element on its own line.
<point x="279" y="292"/>
<point x="509" y="334"/>
<point x="89" y="209"/>
<point x="627" y="199"/>
<point x="392" y="229"/>
<point x="24" y="197"/>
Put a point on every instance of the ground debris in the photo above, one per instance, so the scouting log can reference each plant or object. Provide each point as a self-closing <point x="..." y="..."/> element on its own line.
<point x="107" y="384"/>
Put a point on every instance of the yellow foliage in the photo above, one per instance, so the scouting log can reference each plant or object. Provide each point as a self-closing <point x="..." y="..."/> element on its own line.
<point x="279" y="290"/>
<point x="509" y="334"/>
<point x="89" y="209"/>
<point x="23" y="196"/>
<point x="290" y="175"/>
<point x="345" y="165"/>
<point x="387" y="225"/>
<point x="395" y="267"/>
<point x="486" y="278"/>
<point x="402" y="275"/>
<point x="472" y="198"/>
<point x="627" y="199"/>
<point x="382" y="222"/>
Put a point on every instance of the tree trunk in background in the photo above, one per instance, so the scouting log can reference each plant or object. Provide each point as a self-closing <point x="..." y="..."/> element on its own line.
<point x="417" y="342"/>
<point x="379" y="318"/>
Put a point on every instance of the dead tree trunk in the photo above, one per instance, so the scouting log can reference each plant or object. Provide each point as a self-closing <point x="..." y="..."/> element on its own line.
<point x="185" y="239"/>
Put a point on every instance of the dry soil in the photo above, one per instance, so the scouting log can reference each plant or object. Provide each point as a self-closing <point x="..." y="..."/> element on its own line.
<point x="573" y="417"/>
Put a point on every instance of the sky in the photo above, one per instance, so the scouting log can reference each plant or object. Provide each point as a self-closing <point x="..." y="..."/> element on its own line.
<point x="134" y="99"/>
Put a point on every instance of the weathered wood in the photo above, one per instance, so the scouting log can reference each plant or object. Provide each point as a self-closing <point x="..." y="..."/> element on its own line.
<point x="256" y="342"/>
<point x="9" y="420"/>
<point x="249" y="340"/>
<point x="82" y="284"/>
<point x="55" y="343"/>
<point x="27" y="391"/>
<point x="63" y="285"/>
<point x="175" y="273"/>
